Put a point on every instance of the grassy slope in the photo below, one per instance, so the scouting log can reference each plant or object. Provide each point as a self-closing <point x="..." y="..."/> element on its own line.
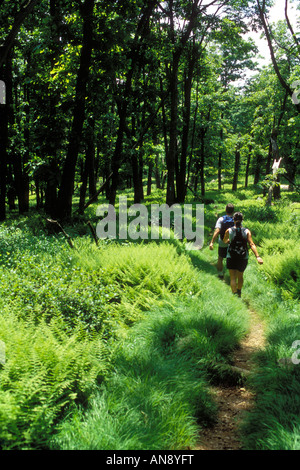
<point x="273" y="291"/>
<point x="182" y="327"/>
<point x="123" y="339"/>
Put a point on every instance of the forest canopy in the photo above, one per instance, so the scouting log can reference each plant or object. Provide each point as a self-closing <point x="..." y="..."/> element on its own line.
<point x="101" y="95"/>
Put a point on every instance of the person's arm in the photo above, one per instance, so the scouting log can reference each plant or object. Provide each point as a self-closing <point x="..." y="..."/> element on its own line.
<point x="253" y="247"/>
<point x="226" y="236"/>
<point x="215" y="235"/>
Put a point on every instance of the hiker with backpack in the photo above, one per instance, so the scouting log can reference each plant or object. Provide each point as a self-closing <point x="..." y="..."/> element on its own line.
<point x="238" y="238"/>
<point x="222" y="224"/>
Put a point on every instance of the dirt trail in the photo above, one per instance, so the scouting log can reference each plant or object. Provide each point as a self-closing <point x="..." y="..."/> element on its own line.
<point x="233" y="401"/>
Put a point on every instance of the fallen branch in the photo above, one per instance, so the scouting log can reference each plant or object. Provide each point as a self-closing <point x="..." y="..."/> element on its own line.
<point x="93" y="232"/>
<point x="94" y="197"/>
<point x="69" y="240"/>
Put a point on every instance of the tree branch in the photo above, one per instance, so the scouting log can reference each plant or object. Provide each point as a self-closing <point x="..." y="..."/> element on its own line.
<point x="24" y="12"/>
<point x="283" y="82"/>
<point x="290" y="26"/>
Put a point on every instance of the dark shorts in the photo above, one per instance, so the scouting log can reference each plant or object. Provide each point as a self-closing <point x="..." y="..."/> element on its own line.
<point x="239" y="265"/>
<point x="222" y="251"/>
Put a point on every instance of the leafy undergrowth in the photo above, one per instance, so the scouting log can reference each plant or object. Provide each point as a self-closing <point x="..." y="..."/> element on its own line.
<point x="123" y="334"/>
<point x="274" y="422"/>
<point x="115" y="346"/>
<point x="158" y="394"/>
<point x="273" y="291"/>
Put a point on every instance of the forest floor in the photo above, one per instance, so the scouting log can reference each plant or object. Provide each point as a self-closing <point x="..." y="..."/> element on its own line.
<point x="234" y="401"/>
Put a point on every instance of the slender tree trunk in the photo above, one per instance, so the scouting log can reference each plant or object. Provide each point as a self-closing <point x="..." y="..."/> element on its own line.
<point x="53" y="142"/>
<point x="3" y="158"/>
<point x="64" y="205"/>
<point x="4" y="116"/>
<point x="141" y="33"/>
<point x="275" y="154"/>
<point x="202" y="161"/>
<point x="24" y="190"/>
<point x="248" y="166"/>
<point x="135" y="177"/>
<point x="141" y="172"/>
<point x="181" y="177"/>
<point x="92" y="162"/>
<point x="172" y="156"/>
<point x="157" y="173"/>
<point x="149" y="182"/>
<point x="236" y="169"/>
<point x="83" y="187"/>
<point x="193" y="137"/>
<point x="202" y="134"/>
<point x="164" y="119"/>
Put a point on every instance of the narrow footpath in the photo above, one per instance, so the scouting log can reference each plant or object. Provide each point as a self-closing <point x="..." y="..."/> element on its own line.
<point x="233" y="401"/>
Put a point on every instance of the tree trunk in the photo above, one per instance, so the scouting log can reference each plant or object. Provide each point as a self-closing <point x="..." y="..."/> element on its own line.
<point x="248" y="166"/>
<point x="3" y="158"/>
<point x="257" y="169"/>
<point x="172" y="156"/>
<point x="236" y="169"/>
<point x="157" y="173"/>
<point x="91" y="158"/>
<point x="53" y="142"/>
<point x="181" y="177"/>
<point x="164" y="120"/>
<point x="24" y="193"/>
<point x="149" y="182"/>
<point x="83" y="187"/>
<point x="141" y="33"/>
<point x="64" y="203"/>
<point x="220" y="158"/>
<point x="4" y="115"/>
<point x="275" y="154"/>
<point x="135" y="177"/>
<point x="202" y="161"/>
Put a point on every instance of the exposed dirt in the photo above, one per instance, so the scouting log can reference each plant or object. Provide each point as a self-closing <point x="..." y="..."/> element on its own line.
<point x="233" y="401"/>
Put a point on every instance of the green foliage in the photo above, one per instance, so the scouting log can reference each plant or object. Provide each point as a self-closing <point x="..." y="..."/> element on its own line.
<point x="158" y="391"/>
<point x="114" y="346"/>
<point x="274" y="422"/>
<point x="272" y="290"/>
<point x="282" y="267"/>
<point x="145" y="274"/>
<point x="45" y="372"/>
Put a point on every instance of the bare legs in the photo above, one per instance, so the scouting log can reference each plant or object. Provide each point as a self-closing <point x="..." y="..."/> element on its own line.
<point x="220" y="265"/>
<point x="236" y="280"/>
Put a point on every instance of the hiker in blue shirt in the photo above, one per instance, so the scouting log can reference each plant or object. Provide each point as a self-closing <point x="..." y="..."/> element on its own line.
<point x="238" y="238"/>
<point x="222" y="224"/>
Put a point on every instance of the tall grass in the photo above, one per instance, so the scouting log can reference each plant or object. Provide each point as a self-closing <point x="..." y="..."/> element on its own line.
<point x="273" y="291"/>
<point x="158" y="395"/>
<point x="137" y="318"/>
<point x="115" y="346"/>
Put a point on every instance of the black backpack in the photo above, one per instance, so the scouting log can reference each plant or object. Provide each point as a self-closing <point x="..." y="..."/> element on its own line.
<point x="226" y="223"/>
<point x="238" y="247"/>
